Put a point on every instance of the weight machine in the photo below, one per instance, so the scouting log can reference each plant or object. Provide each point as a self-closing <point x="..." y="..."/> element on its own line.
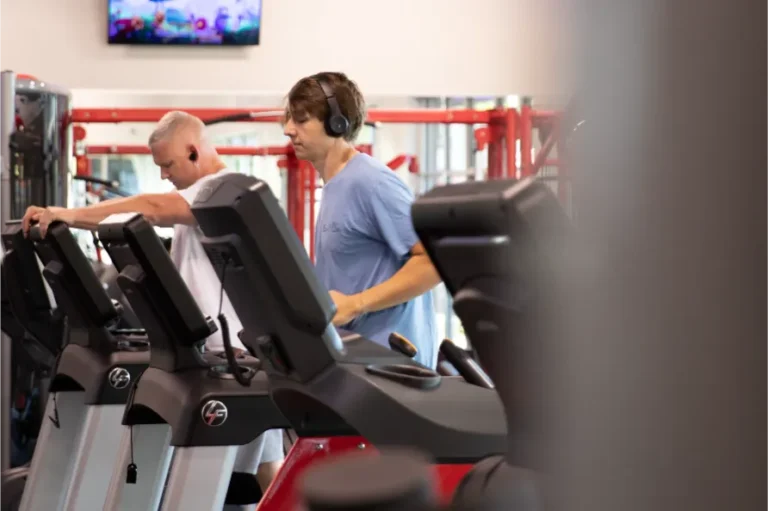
<point x="35" y="148"/>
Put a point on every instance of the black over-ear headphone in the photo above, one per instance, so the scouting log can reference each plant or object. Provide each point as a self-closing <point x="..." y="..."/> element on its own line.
<point x="336" y="124"/>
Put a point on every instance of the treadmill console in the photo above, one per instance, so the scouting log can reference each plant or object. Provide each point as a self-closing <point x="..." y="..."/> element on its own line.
<point x="321" y="386"/>
<point x="11" y="324"/>
<point x="92" y="350"/>
<point x="76" y="287"/>
<point x="503" y="227"/>
<point x="267" y="274"/>
<point x="14" y="240"/>
<point x="173" y="320"/>
<point x="491" y="242"/>
<point x="26" y="306"/>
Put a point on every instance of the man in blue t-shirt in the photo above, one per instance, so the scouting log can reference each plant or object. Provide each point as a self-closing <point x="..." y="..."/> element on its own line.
<point x="367" y="252"/>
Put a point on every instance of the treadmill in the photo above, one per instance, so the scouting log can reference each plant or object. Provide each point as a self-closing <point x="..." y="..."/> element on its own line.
<point x="326" y="382"/>
<point x="191" y="407"/>
<point x="36" y="332"/>
<point x="89" y="386"/>
<point x="28" y="314"/>
<point x="497" y="246"/>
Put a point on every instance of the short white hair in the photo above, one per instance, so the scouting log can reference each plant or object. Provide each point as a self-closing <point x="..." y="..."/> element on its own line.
<point x="172" y="122"/>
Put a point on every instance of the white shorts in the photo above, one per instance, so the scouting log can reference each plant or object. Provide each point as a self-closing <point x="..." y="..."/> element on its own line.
<point x="266" y="448"/>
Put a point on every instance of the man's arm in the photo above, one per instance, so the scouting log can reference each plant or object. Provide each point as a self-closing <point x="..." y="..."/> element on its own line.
<point x="416" y="277"/>
<point x="387" y="209"/>
<point x="160" y="209"/>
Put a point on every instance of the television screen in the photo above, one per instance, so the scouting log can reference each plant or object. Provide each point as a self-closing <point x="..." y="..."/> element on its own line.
<point x="185" y="22"/>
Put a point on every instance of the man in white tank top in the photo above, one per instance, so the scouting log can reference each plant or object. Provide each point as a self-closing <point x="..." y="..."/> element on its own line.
<point x="187" y="159"/>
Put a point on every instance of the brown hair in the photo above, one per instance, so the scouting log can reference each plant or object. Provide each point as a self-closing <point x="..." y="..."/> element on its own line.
<point x="306" y="99"/>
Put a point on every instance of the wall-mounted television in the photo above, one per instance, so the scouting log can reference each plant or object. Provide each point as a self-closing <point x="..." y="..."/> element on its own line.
<point x="185" y="22"/>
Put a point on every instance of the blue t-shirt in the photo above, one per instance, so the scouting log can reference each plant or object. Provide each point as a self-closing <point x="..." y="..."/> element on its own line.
<point x="364" y="235"/>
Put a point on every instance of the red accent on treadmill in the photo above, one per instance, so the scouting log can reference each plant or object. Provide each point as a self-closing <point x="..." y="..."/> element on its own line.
<point x="282" y="494"/>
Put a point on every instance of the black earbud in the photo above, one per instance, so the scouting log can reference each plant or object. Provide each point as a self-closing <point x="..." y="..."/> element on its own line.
<point x="193" y="156"/>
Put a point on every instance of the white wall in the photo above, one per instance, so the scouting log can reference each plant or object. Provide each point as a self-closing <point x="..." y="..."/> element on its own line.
<point x="400" y="47"/>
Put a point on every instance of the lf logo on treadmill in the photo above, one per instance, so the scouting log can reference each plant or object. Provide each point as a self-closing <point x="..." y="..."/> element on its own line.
<point x="214" y="413"/>
<point x="119" y="378"/>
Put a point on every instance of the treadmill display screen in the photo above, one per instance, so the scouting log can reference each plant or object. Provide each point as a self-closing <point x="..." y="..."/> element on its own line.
<point x="87" y="301"/>
<point x="135" y="243"/>
<point x="285" y="311"/>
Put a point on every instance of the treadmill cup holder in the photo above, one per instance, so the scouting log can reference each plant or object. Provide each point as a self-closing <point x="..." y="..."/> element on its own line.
<point x="409" y="375"/>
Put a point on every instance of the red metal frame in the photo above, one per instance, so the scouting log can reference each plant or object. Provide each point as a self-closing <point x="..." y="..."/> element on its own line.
<point x="294" y="192"/>
<point x="282" y="494"/>
<point x="496" y="147"/>
<point x="223" y="150"/>
<point x="504" y="128"/>
<point x="400" y="160"/>
<point x="511" y="134"/>
<point x="541" y="157"/>
<point x="538" y="119"/>
<point x="310" y="177"/>
<point x="526" y="141"/>
<point x="416" y="115"/>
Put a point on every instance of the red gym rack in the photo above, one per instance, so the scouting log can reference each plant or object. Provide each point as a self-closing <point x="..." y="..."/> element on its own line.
<point x="504" y="129"/>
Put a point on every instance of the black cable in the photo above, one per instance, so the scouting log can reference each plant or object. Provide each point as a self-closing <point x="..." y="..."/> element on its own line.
<point x="221" y="290"/>
<point x="244" y="116"/>
<point x="96" y="180"/>
<point x="242" y="379"/>
<point x="107" y="185"/>
<point x="55" y="418"/>
<point x="228" y="118"/>
<point x="132" y="470"/>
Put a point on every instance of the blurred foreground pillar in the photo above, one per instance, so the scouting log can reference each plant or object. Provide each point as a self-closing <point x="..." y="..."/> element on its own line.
<point x="659" y="398"/>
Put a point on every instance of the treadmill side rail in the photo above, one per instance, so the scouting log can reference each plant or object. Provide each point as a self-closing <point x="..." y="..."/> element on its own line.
<point x="51" y="469"/>
<point x="147" y="446"/>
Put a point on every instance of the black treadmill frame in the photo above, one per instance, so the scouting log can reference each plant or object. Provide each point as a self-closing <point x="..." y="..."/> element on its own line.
<point x="324" y="386"/>
<point x="180" y="380"/>
<point x="92" y="351"/>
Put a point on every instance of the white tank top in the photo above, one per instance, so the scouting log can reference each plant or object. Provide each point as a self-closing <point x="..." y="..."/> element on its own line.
<point x="198" y="273"/>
